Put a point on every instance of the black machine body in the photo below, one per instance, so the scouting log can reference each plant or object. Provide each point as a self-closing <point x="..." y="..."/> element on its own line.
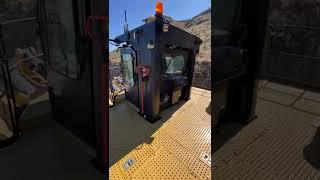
<point x="157" y="65"/>
<point x="239" y="28"/>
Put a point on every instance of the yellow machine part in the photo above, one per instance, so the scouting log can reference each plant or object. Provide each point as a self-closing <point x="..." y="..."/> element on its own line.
<point x="176" y="147"/>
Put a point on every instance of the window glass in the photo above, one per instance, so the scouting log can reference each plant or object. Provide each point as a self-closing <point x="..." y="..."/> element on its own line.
<point x="62" y="38"/>
<point x="225" y="12"/>
<point x="128" y="71"/>
<point x="175" y="63"/>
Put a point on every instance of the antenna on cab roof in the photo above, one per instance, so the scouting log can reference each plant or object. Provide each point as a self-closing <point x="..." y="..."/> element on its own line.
<point x="126" y="26"/>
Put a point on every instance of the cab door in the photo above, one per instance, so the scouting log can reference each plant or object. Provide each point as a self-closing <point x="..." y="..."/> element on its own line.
<point x="238" y="45"/>
<point x="229" y="31"/>
<point x="70" y="90"/>
<point x="62" y="30"/>
<point x="229" y="60"/>
<point x="130" y="77"/>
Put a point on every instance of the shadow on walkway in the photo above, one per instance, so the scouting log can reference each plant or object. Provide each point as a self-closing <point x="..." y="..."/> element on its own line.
<point x="311" y="152"/>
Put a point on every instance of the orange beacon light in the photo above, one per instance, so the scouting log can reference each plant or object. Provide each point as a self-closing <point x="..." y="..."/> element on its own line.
<point x="159" y="7"/>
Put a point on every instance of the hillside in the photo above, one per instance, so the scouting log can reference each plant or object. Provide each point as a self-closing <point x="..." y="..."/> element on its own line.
<point x="200" y="26"/>
<point x="114" y="58"/>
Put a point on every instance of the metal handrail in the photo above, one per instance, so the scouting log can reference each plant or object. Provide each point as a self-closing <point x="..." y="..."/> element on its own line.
<point x="294" y="27"/>
<point x="285" y="26"/>
<point x="295" y="55"/>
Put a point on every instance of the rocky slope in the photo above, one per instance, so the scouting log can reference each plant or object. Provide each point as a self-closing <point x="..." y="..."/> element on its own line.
<point x="200" y="26"/>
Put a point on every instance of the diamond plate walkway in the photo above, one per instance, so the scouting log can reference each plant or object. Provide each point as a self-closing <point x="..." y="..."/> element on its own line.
<point x="282" y="143"/>
<point x="172" y="148"/>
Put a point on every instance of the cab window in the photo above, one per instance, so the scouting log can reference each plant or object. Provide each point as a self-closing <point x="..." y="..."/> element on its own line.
<point x="128" y="69"/>
<point x="63" y="57"/>
<point x="174" y="63"/>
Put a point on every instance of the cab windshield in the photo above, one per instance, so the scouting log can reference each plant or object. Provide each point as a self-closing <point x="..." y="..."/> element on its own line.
<point x="174" y="63"/>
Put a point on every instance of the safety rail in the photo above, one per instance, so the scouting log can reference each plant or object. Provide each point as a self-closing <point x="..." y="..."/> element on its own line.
<point x="292" y="55"/>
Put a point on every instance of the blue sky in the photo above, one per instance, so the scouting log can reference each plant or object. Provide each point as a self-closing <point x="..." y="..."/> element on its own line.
<point x="137" y="10"/>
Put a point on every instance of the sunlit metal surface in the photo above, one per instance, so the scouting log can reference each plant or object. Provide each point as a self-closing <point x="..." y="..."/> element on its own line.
<point x="171" y="148"/>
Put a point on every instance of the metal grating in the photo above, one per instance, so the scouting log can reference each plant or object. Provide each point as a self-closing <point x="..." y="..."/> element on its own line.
<point x="164" y="166"/>
<point x="140" y="155"/>
<point x="171" y="148"/>
<point x="264" y="148"/>
<point x="189" y="159"/>
<point x="115" y="172"/>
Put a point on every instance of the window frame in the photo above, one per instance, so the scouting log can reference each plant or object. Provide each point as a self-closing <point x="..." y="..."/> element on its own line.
<point x="76" y="17"/>
<point x="133" y="72"/>
<point x="174" y="54"/>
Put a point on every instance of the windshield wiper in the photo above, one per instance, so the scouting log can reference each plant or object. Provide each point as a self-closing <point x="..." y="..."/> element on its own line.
<point x="168" y="65"/>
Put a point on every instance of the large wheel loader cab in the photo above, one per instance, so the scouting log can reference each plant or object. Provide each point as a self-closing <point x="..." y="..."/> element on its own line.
<point x="239" y="28"/>
<point x="157" y="65"/>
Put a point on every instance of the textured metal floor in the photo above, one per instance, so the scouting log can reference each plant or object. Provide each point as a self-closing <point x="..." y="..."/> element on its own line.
<point x="274" y="146"/>
<point x="172" y="148"/>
